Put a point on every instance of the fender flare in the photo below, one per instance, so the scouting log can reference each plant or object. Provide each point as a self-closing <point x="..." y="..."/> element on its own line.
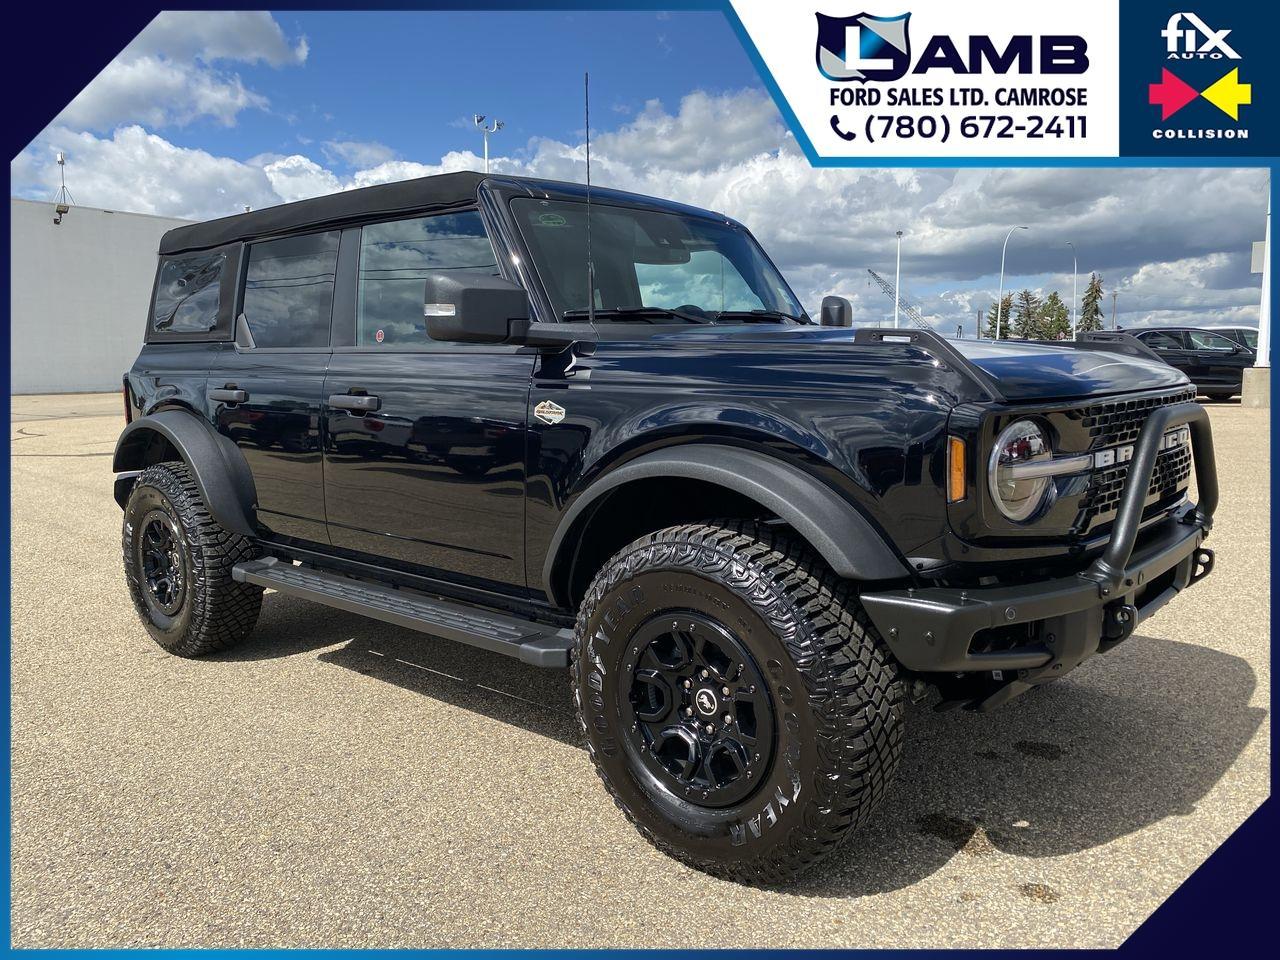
<point x="834" y="527"/>
<point x="216" y="464"/>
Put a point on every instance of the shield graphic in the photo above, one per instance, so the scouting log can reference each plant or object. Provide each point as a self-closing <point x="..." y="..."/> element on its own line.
<point x="863" y="47"/>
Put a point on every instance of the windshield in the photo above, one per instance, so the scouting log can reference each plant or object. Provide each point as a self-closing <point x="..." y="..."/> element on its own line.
<point x="647" y="261"/>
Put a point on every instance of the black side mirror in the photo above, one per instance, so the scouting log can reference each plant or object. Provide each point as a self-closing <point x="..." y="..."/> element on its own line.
<point x="475" y="308"/>
<point x="836" y="312"/>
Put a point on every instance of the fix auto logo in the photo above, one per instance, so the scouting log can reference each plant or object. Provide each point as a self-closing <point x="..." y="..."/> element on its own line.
<point x="1198" y="49"/>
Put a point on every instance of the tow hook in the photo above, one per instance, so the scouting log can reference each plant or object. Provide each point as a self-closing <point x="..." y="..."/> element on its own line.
<point x="1118" y="622"/>
<point x="1203" y="565"/>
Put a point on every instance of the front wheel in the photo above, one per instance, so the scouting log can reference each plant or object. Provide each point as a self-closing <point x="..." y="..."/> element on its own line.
<point x="736" y="702"/>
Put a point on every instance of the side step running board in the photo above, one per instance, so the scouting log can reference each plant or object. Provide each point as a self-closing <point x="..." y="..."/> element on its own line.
<point x="534" y="643"/>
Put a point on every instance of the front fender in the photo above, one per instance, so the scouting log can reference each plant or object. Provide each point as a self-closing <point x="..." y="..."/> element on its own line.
<point x="833" y="526"/>
<point x="216" y="464"/>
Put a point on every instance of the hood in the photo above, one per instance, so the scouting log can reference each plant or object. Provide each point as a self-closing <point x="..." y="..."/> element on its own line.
<point x="1050" y="371"/>
<point x="1026" y="370"/>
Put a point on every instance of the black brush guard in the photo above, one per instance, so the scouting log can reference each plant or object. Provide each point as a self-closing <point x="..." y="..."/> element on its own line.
<point x="932" y="630"/>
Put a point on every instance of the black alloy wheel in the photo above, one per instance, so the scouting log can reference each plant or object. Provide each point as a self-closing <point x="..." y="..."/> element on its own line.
<point x="700" y="718"/>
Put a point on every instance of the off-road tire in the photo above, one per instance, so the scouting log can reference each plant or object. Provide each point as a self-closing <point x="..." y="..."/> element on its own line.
<point x="839" y="699"/>
<point x="215" y="611"/>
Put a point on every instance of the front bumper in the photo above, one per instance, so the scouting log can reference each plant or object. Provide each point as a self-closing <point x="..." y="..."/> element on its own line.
<point x="1036" y="632"/>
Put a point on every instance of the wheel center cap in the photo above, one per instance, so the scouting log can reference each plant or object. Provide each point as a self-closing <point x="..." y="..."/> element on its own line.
<point x="706" y="702"/>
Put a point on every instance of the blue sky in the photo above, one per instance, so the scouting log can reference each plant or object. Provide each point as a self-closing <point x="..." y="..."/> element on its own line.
<point x="207" y="112"/>
<point x="413" y="80"/>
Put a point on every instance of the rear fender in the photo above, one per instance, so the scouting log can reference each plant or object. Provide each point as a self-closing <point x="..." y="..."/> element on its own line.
<point x="216" y="464"/>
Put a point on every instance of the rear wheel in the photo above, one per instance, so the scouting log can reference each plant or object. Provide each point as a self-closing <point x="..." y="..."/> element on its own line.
<point x="177" y="562"/>
<point x="736" y="702"/>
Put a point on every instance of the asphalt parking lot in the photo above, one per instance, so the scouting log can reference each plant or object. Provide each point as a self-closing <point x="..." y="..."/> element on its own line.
<point x="339" y="782"/>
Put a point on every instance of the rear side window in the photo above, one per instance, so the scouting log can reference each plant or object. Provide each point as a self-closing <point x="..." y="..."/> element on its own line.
<point x="187" y="293"/>
<point x="288" y="290"/>
<point x="395" y="258"/>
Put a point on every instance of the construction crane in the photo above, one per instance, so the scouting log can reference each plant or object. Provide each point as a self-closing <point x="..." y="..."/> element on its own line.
<point x="912" y="313"/>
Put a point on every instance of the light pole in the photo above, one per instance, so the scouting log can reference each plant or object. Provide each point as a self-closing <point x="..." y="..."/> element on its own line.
<point x="1075" y="272"/>
<point x="1000" y="298"/>
<point x="497" y="125"/>
<point x="897" y="282"/>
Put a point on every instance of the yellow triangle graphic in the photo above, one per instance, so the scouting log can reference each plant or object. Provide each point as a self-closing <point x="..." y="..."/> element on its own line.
<point x="1228" y="94"/>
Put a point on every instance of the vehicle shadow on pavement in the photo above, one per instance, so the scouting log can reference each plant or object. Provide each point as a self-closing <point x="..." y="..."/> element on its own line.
<point x="496" y="686"/>
<point x="1133" y="737"/>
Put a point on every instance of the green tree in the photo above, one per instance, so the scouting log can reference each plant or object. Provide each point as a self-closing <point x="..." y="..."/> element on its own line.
<point x="1026" y="315"/>
<point x="1054" y="320"/>
<point x="1091" y="317"/>
<point x="1006" y="312"/>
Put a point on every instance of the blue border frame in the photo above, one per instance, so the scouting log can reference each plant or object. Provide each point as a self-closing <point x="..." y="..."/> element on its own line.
<point x="1226" y="902"/>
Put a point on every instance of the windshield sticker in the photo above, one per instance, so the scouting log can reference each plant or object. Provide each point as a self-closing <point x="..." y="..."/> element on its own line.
<point x="551" y="220"/>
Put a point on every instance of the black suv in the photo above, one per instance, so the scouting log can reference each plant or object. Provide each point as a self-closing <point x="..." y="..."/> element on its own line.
<point x="1215" y="362"/>
<point x="598" y="430"/>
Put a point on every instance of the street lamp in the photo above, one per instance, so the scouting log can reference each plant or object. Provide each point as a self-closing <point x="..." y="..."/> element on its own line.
<point x="1000" y="298"/>
<point x="1075" y="270"/>
<point x="897" y="282"/>
<point x="497" y="125"/>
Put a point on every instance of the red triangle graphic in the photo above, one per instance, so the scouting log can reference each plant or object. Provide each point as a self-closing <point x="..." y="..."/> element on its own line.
<point x="1170" y="94"/>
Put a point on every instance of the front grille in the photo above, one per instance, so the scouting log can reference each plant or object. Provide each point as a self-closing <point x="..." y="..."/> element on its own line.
<point x="1118" y="423"/>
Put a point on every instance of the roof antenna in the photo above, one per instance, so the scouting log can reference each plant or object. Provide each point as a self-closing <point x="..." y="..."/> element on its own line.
<point x="591" y="267"/>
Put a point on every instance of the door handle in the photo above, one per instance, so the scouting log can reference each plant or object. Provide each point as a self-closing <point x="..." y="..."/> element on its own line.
<point x="355" y="402"/>
<point x="229" y="394"/>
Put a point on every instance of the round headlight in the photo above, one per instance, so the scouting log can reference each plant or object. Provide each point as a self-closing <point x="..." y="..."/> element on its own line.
<point x="1017" y="491"/>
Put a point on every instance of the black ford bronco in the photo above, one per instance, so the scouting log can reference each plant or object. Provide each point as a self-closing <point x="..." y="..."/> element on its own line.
<point x="598" y="430"/>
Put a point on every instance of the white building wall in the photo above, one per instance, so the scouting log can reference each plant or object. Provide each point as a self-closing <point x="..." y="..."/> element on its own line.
<point x="80" y="293"/>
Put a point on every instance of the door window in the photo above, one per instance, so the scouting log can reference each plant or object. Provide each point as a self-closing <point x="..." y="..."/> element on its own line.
<point x="1162" y="341"/>
<point x="1204" y="340"/>
<point x="395" y="259"/>
<point x="288" y="290"/>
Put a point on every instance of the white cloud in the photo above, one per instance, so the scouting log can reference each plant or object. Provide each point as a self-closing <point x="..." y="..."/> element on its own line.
<point x="358" y="154"/>
<point x="142" y="172"/>
<point x="1175" y="242"/>
<point x="172" y="73"/>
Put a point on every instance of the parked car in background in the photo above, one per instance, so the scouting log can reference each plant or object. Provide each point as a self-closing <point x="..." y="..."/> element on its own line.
<point x="1245" y="336"/>
<point x="1215" y="363"/>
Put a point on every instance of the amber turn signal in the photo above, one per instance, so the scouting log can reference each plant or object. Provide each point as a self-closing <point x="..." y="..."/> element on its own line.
<point x="956" y="478"/>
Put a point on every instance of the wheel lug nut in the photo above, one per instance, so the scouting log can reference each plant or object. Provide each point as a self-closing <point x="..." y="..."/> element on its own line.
<point x="688" y="684"/>
<point x="705" y="674"/>
<point x="710" y="728"/>
<point x="728" y="719"/>
<point x="726" y="691"/>
<point x="688" y="711"/>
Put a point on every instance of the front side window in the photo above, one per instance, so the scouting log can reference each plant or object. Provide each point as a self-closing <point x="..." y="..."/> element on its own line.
<point x="1204" y="340"/>
<point x="395" y="258"/>
<point x="288" y="290"/>
<point x="1162" y="341"/>
<point x="187" y="293"/>
<point x="650" y="261"/>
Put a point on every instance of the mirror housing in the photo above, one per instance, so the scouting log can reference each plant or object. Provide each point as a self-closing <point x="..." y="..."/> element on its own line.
<point x="836" y="312"/>
<point x="477" y="308"/>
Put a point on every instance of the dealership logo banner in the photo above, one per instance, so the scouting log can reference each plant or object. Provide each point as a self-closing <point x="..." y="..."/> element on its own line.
<point x="932" y="78"/>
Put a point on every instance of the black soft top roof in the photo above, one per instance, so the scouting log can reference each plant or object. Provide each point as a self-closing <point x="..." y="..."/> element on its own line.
<point x="439" y="192"/>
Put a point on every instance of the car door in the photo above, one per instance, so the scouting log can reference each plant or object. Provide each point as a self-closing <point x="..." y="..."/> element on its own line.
<point x="1219" y="361"/>
<point x="1170" y="347"/>
<point x="425" y="441"/>
<point x="265" y="390"/>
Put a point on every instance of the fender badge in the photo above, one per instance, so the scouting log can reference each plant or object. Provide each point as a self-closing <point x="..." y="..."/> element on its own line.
<point x="549" y="412"/>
